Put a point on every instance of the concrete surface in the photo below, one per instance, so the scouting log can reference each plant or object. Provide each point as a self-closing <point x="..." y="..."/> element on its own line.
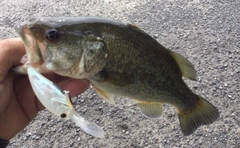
<point x="207" y="32"/>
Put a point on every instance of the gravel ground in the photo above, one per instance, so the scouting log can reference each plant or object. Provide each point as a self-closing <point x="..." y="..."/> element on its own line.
<point x="207" y="32"/>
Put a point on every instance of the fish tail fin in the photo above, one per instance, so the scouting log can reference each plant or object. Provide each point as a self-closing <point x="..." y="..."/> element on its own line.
<point x="87" y="126"/>
<point x="204" y="113"/>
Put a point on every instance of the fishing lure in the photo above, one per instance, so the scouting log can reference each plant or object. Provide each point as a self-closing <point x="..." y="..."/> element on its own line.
<point x="58" y="102"/>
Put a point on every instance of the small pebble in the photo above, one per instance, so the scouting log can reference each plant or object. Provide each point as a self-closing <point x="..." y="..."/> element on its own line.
<point x="84" y="110"/>
<point x="37" y="138"/>
<point x="82" y="100"/>
<point x="29" y="134"/>
<point x="155" y="35"/>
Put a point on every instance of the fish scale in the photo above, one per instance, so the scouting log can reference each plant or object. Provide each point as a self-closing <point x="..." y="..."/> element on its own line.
<point x="146" y="72"/>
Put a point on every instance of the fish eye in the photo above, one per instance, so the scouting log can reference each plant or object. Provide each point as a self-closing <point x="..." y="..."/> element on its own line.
<point x="63" y="115"/>
<point x="52" y="34"/>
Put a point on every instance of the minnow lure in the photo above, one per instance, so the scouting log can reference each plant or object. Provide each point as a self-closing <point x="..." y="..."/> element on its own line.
<point x="58" y="102"/>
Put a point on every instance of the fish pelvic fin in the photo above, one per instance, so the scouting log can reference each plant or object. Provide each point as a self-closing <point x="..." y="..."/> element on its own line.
<point x="89" y="127"/>
<point x="104" y="95"/>
<point x="151" y="110"/>
<point x="203" y="114"/>
<point x="186" y="67"/>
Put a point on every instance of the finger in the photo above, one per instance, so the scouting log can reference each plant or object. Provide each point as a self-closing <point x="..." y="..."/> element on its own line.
<point x="75" y="86"/>
<point x="11" y="51"/>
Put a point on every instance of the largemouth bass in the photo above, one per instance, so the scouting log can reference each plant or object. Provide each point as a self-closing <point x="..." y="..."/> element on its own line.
<point x="118" y="59"/>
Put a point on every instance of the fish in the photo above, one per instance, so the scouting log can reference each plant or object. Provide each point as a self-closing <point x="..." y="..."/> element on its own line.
<point x="118" y="59"/>
<point x="58" y="102"/>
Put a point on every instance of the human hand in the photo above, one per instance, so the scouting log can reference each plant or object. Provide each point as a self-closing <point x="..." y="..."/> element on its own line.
<point x="18" y="103"/>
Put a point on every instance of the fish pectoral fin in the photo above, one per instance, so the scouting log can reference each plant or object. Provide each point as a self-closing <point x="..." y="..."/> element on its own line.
<point x="150" y="109"/>
<point x="186" y="67"/>
<point x="87" y="126"/>
<point x="107" y="97"/>
<point x="204" y="113"/>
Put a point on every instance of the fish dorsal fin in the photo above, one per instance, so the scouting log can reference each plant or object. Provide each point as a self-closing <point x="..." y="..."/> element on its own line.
<point x="150" y="109"/>
<point x="186" y="67"/>
<point x="107" y="97"/>
<point x="135" y="27"/>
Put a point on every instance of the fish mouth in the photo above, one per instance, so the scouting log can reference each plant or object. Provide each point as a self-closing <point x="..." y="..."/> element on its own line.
<point x="33" y="53"/>
<point x="23" y="30"/>
<point x="20" y="29"/>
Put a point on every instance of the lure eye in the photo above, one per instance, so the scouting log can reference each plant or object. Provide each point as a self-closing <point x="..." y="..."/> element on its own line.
<point x="63" y="115"/>
<point x="52" y="35"/>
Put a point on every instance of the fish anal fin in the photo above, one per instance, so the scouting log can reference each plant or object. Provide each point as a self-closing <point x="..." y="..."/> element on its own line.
<point x="150" y="109"/>
<point x="186" y="67"/>
<point x="107" y="97"/>
<point x="203" y="114"/>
